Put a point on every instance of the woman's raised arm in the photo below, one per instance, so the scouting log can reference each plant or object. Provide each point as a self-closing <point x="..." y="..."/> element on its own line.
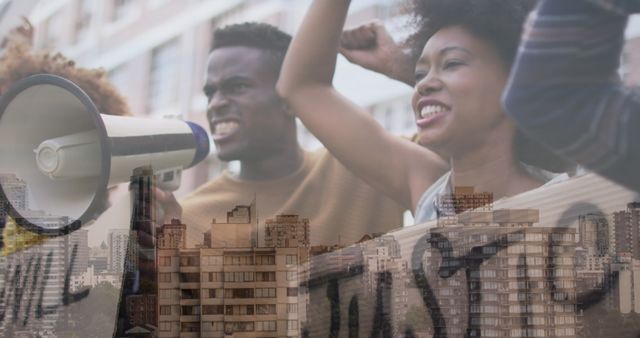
<point x="394" y="166"/>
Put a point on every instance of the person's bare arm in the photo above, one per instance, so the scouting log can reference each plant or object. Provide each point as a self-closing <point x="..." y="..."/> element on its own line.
<point x="396" y="167"/>
<point x="371" y="46"/>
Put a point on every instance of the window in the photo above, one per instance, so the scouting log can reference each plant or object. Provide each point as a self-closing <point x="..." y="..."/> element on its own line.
<point x="190" y="293"/>
<point x="215" y="293"/>
<point x="265" y="260"/>
<point x="189" y="277"/>
<point x="292" y="324"/>
<point x="531" y="237"/>
<point x="165" y="293"/>
<point x="212" y="326"/>
<point x="164" y="277"/>
<point x="292" y="275"/>
<point x="238" y="260"/>
<point x="489" y="249"/>
<point x="515" y="237"/>
<point x="165" y="310"/>
<point x="212" y="310"/>
<point x="83" y="21"/>
<point x="265" y="293"/>
<point x="163" y="78"/>
<point x="291" y="259"/>
<point x="266" y="309"/>
<point x="165" y="326"/>
<point x="269" y="276"/>
<point x="190" y="310"/>
<point x="238" y="326"/>
<point x="231" y="310"/>
<point x="122" y="9"/>
<point x="190" y="327"/>
<point x="266" y="325"/>
<point x="292" y="308"/>
<point x="212" y="260"/>
<point x="212" y="276"/>
<point x="238" y="293"/>
<point x="164" y="261"/>
<point x="189" y="261"/>
<point x="239" y="276"/>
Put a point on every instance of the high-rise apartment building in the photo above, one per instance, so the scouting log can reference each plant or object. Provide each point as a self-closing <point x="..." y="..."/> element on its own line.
<point x="228" y="286"/>
<point x="594" y="234"/>
<point x="627" y="232"/>
<point x="506" y="278"/>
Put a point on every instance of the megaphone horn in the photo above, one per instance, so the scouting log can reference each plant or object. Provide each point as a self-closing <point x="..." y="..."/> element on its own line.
<point x="53" y="138"/>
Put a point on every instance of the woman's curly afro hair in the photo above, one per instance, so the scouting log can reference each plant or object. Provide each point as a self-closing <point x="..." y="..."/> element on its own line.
<point x="498" y="22"/>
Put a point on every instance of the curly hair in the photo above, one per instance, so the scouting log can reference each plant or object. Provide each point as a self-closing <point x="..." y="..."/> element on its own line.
<point x="19" y="62"/>
<point x="262" y="36"/>
<point x="498" y="22"/>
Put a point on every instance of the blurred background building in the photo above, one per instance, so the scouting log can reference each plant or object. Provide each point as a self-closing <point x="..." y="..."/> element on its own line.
<point x="155" y="52"/>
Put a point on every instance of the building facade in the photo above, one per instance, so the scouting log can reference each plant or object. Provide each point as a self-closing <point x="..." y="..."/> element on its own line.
<point x="229" y="287"/>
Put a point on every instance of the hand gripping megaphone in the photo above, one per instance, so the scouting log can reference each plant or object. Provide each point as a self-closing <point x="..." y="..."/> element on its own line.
<point x="53" y="138"/>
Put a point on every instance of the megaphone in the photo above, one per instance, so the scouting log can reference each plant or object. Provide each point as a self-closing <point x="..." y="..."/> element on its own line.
<point x="53" y="138"/>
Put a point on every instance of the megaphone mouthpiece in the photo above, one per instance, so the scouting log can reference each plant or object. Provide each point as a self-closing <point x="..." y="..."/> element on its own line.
<point x="75" y="155"/>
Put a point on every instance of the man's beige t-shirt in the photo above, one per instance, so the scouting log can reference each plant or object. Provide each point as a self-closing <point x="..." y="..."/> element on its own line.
<point x="340" y="207"/>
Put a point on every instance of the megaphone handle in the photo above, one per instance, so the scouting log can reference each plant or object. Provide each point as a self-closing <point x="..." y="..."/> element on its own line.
<point x="169" y="179"/>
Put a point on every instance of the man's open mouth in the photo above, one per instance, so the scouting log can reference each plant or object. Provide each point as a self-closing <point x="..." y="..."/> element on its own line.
<point x="224" y="129"/>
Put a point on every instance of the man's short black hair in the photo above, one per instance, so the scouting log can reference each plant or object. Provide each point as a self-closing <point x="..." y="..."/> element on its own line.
<point x="265" y="37"/>
<point x="498" y="22"/>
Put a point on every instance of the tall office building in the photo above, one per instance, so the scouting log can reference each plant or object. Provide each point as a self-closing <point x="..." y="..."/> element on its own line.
<point x="119" y="241"/>
<point x="594" y="234"/>
<point x="228" y="286"/>
<point x="15" y="190"/>
<point x="627" y="232"/>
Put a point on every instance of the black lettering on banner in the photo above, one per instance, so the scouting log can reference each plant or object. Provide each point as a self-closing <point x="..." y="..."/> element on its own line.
<point x="449" y="266"/>
<point x="471" y="263"/>
<point x="17" y="289"/>
<point x="354" y="318"/>
<point x="32" y="291"/>
<point x="428" y="296"/>
<point x="382" y="320"/>
<point x="68" y="297"/>
<point x="20" y="291"/>
<point x="40" y="312"/>
<point x="333" y="294"/>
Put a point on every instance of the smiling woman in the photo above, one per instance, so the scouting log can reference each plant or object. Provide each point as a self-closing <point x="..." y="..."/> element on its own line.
<point x="465" y="51"/>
